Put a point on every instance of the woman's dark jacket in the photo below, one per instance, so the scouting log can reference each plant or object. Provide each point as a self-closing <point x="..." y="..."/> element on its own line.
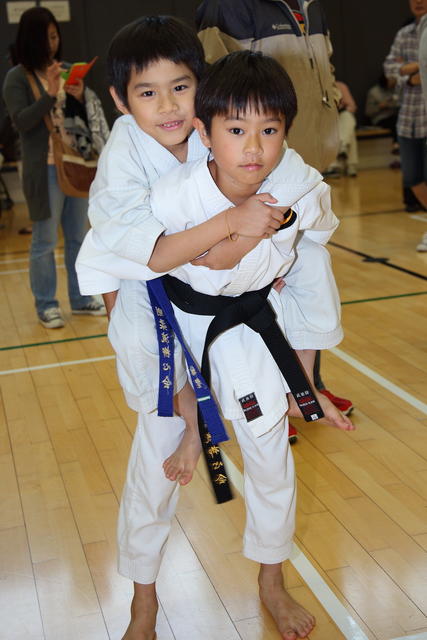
<point x="27" y="115"/>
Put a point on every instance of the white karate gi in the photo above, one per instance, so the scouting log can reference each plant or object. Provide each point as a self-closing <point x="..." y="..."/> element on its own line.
<point x="131" y="163"/>
<point x="240" y="364"/>
<point x="122" y="240"/>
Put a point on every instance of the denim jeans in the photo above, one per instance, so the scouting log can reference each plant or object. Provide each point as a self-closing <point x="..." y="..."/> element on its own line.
<point x="413" y="157"/>
<point x="71" y="213"/>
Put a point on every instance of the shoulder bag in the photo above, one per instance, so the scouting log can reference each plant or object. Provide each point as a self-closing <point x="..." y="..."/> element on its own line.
<point x="75" y="174"/>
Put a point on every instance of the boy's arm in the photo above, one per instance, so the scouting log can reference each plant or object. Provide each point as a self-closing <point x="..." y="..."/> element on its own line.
<point x="318" y="225"/>
<point x="252" y="219"/>
<point x="227" y="253"/>
<point x="109" y="301"/>
<point x="126" y="236"/>
<point x="121" y="218"/>
<point x="99" y="270"/>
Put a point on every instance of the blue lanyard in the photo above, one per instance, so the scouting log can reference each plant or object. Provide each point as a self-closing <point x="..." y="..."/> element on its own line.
<point x="166" y="327"/>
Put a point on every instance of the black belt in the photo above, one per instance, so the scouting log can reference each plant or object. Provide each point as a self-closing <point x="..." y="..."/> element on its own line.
<point x="253" y="309"/>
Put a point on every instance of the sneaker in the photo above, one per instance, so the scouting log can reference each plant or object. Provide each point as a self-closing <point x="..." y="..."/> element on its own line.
<point x="93" y="308"/>
<point x="51" y="318"/>
<point x="422" y="246"/>
<point x="351" y="171"/>
<point x="344" y="405"/>
<point x="292" y="434"/>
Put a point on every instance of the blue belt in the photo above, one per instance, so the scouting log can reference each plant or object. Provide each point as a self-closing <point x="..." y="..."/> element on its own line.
<point x="211" y="427"/>
<point x="166" y="326"/>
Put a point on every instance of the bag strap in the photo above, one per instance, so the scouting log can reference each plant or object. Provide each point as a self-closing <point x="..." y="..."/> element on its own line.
<point x="36" y="91"/>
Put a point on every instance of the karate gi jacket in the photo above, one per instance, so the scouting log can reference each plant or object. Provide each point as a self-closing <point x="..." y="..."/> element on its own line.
<point x="240" y="362"/>
<point x="116" y="250"/>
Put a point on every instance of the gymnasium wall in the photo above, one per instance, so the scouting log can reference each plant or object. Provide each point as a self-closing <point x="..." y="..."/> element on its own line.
<point x="361" y="31"/>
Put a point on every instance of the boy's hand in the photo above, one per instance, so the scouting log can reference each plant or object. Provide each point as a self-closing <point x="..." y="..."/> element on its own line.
<point x="256" y="219"/>
<point x="278" y="284"/>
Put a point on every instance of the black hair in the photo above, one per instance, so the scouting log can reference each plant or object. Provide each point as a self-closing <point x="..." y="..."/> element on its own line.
<point x="245" y="79"/>
<point x="32" y="44"/>
<point x="147" y="40"/>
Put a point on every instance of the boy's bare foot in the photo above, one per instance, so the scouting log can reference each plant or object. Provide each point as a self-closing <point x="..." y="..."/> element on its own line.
<point x="333" y="416"/>
<point x="181" y="464"/>
<point x="143" y="609"/>
<point x="292" y="620"/>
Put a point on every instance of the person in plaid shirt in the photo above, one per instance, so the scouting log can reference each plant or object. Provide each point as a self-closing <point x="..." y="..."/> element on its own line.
<point x="402" y="65"/>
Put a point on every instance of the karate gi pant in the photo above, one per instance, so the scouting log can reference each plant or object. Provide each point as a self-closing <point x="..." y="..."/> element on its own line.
<point x="310" y="299"/>
<point x="149" y="499"/>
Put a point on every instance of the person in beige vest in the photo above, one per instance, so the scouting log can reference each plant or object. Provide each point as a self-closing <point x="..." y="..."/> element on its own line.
<point x="296" y="35"/>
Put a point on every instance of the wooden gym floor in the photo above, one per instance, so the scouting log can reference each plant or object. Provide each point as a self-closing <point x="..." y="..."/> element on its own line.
<point x="360" y="560"/>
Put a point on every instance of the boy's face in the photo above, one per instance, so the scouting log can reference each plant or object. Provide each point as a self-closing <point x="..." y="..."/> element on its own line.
<point x="245" y="149"/>
<point x="161" y="99"/>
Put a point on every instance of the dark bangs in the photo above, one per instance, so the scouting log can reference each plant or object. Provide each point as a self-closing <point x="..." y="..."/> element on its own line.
<point x="147" y="40"/>
<point x="245" y="80"/>
<point x="32" y="44"/>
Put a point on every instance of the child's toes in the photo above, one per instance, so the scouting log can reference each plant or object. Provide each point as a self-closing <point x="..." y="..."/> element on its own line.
<point x="185" y="478"/>
<point x="347" y="423"/>
<point x="170" y="472"/>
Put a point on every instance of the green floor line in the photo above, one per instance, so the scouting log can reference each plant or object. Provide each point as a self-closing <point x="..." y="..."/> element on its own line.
<point x="401" y="295"/>
<point x="50" y="342"/>
<point x="104" y="335"/>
